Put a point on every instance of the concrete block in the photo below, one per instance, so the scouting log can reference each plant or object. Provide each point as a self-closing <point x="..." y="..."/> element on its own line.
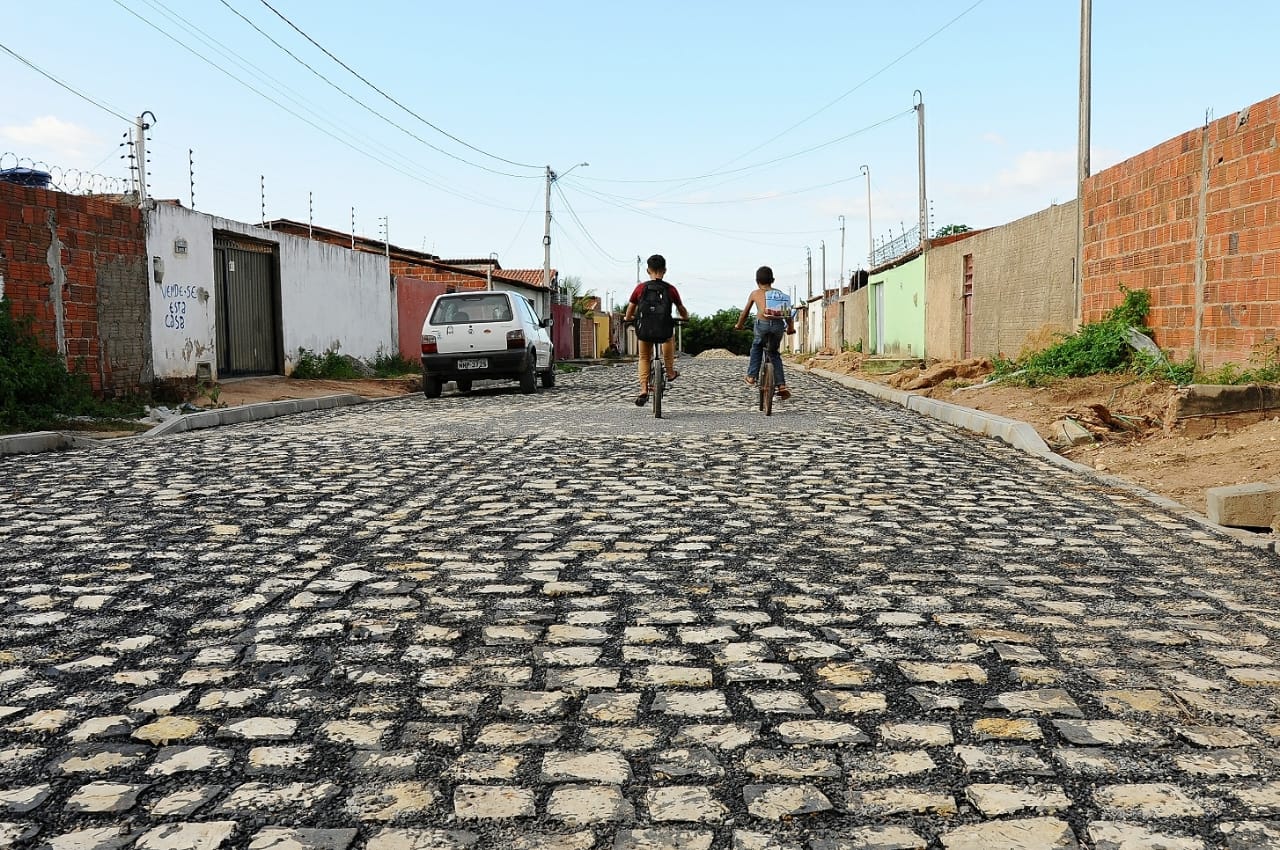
<point x="1254" y="505"/>
<point x="1224" y="399"/>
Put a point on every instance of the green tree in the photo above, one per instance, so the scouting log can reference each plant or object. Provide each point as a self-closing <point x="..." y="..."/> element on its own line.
<point x="571" y="285"/>
<point x="950" y="229"/>
<point x="702" y="333"/>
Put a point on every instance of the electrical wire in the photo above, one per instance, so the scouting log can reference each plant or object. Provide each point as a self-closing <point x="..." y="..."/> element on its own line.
<point x="309" y="122"/>
<point x="722" y="232"/>
<point x="524" y="220"/>
<point x="572" y="214"/>
<point x="368" y="108"/>
<point x="866" y="80"/>
<point x="763" y="164"/>
<point x="42" y="72"/>
<point x="364" y="80"/>
<point x="279" y="86"/>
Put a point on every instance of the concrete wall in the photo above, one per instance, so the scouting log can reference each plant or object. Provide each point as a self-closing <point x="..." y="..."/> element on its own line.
<point x="903" y="288"/>
<point x="815" y="327"/>
<point x="75" y="266"/>
<point x="1196" y="222"/>
<point x="854" y="305"/>
<point x="330" y="297"/>
<point x="1023" y="286"/>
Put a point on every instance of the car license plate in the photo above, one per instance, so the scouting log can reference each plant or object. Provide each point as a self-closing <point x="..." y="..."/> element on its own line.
<point x="474" y="363"/>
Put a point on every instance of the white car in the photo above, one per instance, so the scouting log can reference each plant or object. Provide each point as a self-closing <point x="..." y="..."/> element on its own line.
<point x="473" y="335"/>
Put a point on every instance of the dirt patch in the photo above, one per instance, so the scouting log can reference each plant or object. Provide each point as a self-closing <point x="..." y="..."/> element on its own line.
<point x="238" y="391"/>
<point x="1124" y="417"/>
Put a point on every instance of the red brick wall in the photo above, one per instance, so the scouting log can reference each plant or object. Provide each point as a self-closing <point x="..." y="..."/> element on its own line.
<point x="97" y="278"/>
<point x="450" y="279"/>
<point x="1146" y="218"/>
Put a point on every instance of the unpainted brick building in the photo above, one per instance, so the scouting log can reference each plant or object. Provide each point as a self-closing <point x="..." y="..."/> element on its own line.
<point x="1196" y="222"/>
<point x="76" y="267"/>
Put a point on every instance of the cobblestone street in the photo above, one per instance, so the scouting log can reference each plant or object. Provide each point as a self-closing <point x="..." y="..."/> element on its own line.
<point x="551" y="622"/>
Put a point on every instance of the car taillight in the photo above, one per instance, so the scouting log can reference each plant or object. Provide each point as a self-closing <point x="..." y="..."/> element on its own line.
<point x="515" y="339"/>
<point x="429" y="344"/>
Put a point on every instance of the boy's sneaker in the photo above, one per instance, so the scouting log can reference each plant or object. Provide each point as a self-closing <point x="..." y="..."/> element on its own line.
<point x="642" y="399"/>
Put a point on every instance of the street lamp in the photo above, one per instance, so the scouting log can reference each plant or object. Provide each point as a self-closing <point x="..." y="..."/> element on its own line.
<point x="546" y="232"/>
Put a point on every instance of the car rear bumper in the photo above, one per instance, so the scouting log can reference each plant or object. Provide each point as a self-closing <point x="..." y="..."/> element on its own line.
<point x="500" y="364"/>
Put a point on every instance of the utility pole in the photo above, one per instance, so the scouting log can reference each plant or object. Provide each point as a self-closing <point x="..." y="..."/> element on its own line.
<point x="924" y="204"/>
<point x="546" y="235"/>
<point x="1082" y="151"/>
<point x="808" y="259"/>
<point x="871" y="246"/>
<point x="637" y="268"/>
<point x="840" y="285"/>
<point x="824" y="270"/>
<point x="546" y="230"/>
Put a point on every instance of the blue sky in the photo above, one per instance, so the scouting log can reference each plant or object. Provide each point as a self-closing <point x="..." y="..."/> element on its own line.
<point x="791" y="101"/>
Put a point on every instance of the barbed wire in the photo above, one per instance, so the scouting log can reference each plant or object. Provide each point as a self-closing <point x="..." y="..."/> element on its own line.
<point x="73" y="181"/>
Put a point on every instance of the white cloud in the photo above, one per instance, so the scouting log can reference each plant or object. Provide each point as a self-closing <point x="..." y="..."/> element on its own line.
<point x="993" y="139"/>
<point x="1036" y="170"/>
<point x="49" y="136"/>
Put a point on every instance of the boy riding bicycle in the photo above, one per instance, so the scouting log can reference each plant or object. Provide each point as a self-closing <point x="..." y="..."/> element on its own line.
<point x="650" y="306"/>
<point x="773" y="318"/>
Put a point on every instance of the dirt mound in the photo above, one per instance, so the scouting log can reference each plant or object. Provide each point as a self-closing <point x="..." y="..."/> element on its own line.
<point x="951" y="370"/>
<point x="717" y="354"/>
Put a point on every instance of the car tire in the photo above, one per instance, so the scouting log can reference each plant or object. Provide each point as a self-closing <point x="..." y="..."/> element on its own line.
<point x="549" y="376"/>
<point x="463" y="385"/>
<point x="431" y="386"/>
<point x="529" y="377"/>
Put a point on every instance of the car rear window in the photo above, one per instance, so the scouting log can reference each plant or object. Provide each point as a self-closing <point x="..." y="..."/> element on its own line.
<point x="467" y="309"/>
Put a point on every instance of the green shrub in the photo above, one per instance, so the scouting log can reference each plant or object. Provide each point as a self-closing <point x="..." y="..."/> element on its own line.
<point x="394" y="364"/>
<point x="1096" y="347"/>
<point x="36" y="390"/>
<point x="330" y="365"/>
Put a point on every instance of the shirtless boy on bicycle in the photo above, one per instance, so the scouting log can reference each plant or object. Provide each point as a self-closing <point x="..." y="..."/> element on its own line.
<point x="773" y="318"/>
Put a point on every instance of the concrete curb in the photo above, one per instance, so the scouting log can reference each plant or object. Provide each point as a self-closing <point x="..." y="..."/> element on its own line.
<point x="251" y="413"/>
<point x="44" y="441"/>
<point x="1022" y="436"/>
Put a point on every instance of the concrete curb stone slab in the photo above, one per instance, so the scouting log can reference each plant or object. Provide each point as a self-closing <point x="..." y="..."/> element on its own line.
<point x="1022" y="436"/>
<point x="50" y="441"/>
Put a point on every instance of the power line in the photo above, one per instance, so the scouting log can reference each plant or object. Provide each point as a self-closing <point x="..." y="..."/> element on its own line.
<point x="368" y="108"/>
<point x="767" y="162"/>
<point x="309" y="122"/>
<point x="282" y="88"/>
<point x="866" y="80"/>
<point x="364" y="80"/>
<point x="42" y="72"/>
<point x="574" y="215"/>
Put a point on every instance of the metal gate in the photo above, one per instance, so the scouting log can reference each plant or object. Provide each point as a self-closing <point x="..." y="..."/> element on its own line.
<point x="249" y="339"/>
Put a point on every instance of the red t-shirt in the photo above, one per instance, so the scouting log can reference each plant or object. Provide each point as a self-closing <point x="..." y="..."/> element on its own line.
<point x="639" y="290"/>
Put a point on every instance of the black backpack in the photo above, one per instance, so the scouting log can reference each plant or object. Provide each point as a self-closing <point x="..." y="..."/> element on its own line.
<point x="653" y="313"/>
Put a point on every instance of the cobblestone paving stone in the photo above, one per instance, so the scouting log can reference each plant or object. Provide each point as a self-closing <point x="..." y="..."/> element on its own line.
<point x="551" y="623"/>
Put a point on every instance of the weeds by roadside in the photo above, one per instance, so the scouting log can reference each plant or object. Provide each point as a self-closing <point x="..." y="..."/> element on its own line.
<point x="330" y="365"/>
<point x="1105" y="347"/>
<point x="36" y="390"/>
<point x="394" y="364"/>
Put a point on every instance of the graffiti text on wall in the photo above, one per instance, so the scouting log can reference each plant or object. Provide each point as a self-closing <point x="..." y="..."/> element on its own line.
<point x="178" y="297"/>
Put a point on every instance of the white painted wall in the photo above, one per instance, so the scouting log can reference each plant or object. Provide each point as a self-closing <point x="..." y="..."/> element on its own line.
<point x="330" y="296"/>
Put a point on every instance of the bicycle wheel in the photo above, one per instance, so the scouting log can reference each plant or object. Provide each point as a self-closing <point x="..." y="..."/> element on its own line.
<point x="658" y="381"/>
<point x="766" y="387"/>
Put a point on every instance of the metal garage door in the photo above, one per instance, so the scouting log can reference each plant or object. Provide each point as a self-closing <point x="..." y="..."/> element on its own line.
<point x="248" y="314"/>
